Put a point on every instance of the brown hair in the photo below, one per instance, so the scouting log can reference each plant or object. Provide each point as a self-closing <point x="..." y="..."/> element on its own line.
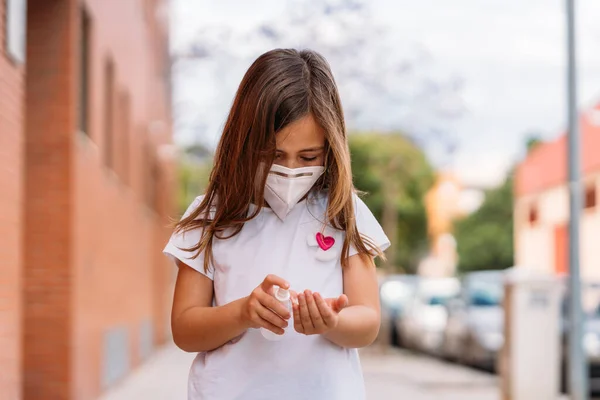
<point x="280" y="87"/>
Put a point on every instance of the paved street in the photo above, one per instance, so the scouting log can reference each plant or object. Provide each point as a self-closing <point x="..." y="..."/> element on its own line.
<point x="390" y="374"/>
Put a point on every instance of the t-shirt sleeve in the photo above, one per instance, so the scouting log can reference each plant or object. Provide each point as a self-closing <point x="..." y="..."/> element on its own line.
<point x="185" y="240"/>
<point x="368" y="226"/>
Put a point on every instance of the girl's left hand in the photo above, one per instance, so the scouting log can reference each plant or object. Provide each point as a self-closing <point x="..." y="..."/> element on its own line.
<point x="315" y="315"/>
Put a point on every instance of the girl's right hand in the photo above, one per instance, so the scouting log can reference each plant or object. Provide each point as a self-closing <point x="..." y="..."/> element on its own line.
<point x="262" y="310"/>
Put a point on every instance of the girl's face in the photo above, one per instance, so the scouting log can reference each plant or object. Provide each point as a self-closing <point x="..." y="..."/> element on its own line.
<point x="301" y="144"/>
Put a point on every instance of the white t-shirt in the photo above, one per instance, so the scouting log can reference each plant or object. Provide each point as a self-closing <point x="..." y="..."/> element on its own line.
<point x="297" y="367"/>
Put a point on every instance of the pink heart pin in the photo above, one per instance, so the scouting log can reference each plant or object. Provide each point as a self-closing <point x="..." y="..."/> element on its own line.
<point x="325" y="242"/>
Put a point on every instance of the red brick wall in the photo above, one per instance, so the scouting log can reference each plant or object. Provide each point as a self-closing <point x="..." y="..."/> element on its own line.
<point x="11" y="177"/>
<point x="112" y="267"/>
<point x="50" y="117"/>
<point x="94" y="236"/>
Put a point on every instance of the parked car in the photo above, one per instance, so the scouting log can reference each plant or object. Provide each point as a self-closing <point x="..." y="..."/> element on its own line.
<point x="591" y="334"/>
<point x="422" y="327"/>
<point x="395" y="293"/>
<point x="474" y="331"/>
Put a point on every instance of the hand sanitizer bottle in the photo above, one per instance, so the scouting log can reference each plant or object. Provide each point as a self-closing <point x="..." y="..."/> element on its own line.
<point x="283" y="296"/>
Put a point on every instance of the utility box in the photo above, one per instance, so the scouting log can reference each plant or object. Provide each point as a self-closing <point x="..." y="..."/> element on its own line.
<point x="529" y="362"/>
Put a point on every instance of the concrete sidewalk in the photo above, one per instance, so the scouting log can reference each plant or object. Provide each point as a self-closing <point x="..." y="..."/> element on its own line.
<point x="389" y="374"/>
<point x="163" y="377"/>
<point x="396" y="374"/>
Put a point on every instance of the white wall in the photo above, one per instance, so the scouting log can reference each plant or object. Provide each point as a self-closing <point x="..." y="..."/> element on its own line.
<point x="534" y="244"/>
<point x="535" y="249"/>
<point x="590" y="244"/>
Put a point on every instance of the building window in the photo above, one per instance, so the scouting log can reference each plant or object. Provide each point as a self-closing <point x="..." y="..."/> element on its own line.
<point x="109" y="125"/>
<point x="150" y="175"/>
<point x="533" y="214"/>
<point x="84" y="71"/>
<point x="155" y="178"/>
<point x="590" y="197"/>
<point x="124" y="134"/>
<point x="16" y="20"/>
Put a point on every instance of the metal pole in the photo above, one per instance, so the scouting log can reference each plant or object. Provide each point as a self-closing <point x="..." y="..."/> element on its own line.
<point x="577" y="364"/>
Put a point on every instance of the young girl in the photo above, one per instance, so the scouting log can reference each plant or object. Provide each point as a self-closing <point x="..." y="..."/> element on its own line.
<point x="280" y="212"/>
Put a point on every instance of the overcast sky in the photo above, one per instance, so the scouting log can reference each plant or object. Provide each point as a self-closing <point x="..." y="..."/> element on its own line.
<point x="510" y="53"/>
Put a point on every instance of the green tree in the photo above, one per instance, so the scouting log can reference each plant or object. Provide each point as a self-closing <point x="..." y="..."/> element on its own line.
<point x="193" y="173"/>
<point x="533" y="140"/>
<point x="395" y="174"/>
<point x="485" y="238"/>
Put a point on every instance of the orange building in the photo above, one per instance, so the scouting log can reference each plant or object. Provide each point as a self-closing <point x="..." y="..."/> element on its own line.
<point x="542" y="203"/>
<point x="86" y="193"/>
<point x="442" y="203"/>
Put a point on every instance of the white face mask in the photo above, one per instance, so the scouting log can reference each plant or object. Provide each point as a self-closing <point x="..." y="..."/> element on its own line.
<point x="286" y="187"/>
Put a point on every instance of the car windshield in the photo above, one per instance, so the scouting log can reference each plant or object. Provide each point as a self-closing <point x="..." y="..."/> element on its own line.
<point x="438" y="300"/>
<point x="485" y="293"/>
<point x="437" y="292"/>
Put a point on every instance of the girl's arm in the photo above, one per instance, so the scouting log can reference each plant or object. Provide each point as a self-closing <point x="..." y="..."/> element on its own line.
<point x="358" y="324"/>
<point x="197" y="326"/>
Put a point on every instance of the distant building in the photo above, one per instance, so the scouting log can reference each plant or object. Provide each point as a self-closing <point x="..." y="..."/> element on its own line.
<point x="85" y="193"/>
<point x="542" y="204"/>
<point x="447" y="201"/>
<point x="442" y="207"/>
<point x="443" y="204"/>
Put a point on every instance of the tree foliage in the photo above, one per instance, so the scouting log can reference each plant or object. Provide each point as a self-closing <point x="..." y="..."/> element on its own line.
<point x="485" y="238"/>
<point x="193" y="172"/>
<point x="533" y="141"/>
<point x="391" y="169"/>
